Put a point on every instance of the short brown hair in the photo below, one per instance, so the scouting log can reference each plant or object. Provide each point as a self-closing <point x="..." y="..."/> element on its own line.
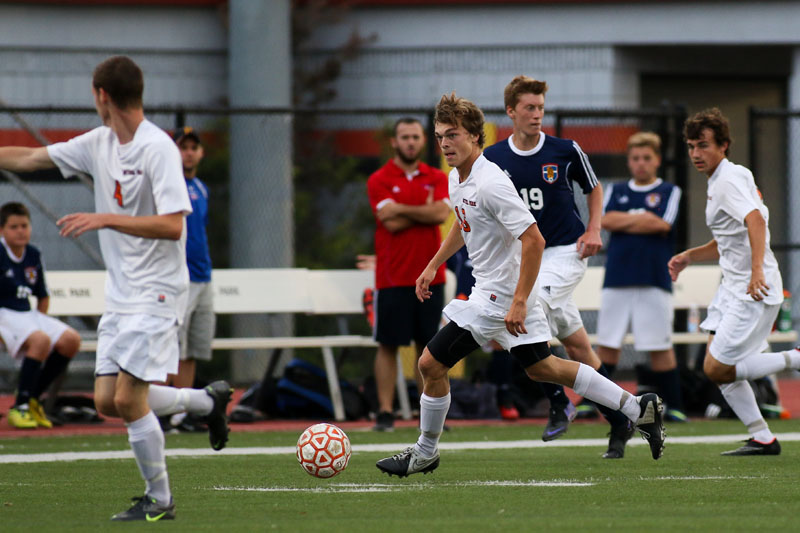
<point x="522" y="85"/>
<point x="406" y="120"/>
<point x="13" y="208"/>
<point x="122" y="79"/>
<point x="645" y="139"/>
<point x="712" y="119"/>
<point x="455" y="110"/>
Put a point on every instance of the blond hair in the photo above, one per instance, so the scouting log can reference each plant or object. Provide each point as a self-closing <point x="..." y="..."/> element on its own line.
<point x="645" y="139"/>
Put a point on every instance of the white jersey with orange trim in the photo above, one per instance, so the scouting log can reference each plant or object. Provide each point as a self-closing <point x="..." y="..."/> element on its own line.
<point x="143" y="177"/>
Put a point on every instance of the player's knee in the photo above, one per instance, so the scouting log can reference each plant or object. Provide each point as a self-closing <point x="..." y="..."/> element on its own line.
<point x="718" y="372"/>
<point x="37" y="345"/>
<point x="429" y="367"/>
<point x="69" y="343"/>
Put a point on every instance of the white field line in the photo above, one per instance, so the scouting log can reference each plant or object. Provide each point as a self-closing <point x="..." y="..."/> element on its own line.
<point x="395" y="447"/>
<point x="386" y="487"/>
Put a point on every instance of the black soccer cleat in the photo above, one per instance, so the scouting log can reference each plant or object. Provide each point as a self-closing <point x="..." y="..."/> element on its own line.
<point x="558" y="421"/>
<point x="384" y="422"/>
<point x="618" y="437"/>
<point x="753" y="447"/>
<point x="217" y="419"/>
<point x="651" y="423"/>
<point x="408" y="462"/>
<point x="146" y="509"/>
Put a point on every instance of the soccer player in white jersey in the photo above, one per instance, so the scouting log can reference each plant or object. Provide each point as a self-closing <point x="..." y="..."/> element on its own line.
<point x="140" y="203"/>
<point x="746" y="304"/>
<point x="505" y="246"/>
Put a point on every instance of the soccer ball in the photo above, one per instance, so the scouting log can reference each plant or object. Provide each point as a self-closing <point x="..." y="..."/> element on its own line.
<point x="323" y="450"/>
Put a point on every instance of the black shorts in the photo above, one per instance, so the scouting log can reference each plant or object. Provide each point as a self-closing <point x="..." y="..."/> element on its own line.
<point x="400" y="318"/>
<point x="453" y="343"/>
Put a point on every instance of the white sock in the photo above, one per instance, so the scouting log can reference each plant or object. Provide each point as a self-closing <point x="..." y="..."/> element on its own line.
<point x="740" y="397"/>
<point x="432" y="414"/>
<point x="165" y="400"/>
<point x="147" y="443"/>
<point x="764" y="364"/>
<point x="590" y="384"/>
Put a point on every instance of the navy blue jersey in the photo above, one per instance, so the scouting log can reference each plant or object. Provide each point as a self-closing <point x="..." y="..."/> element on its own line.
<point x="198" y="258"/>
<point x="461" y="265"/>
<point x="20" y="279"/>
<point x="543" y="177"/>
<point x="641" y="259"/>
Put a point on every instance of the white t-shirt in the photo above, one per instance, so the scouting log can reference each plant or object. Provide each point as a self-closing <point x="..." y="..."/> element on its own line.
<point x="140" y="178"/>
<point x="732" y="195"/>
<point x="492" y="216"/>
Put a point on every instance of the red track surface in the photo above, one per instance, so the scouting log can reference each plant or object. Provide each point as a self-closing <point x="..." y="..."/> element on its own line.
<point x="789" y="390"/>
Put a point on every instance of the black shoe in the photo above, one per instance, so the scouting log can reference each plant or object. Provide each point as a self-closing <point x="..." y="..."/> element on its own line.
<point x="650" y="423"/>
<point x="384" y="422"/>
<point x="618" y="437"/>
<point x="753" y="447"/>
<point x="217" y="419"/>
<point x="147" y="509"/>
<point x="558" y="422"/>
<point x="408" y="462"/>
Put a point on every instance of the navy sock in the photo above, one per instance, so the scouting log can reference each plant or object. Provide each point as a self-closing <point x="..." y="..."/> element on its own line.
<point x="609" y="369"/>
<point x="669" y="386"/>
<point x="555" y="393"/>
<point x="53" y="366"/>
<point x="28" y="376"/>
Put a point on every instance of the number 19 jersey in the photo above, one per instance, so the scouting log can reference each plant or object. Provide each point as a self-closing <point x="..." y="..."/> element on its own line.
<point x="543" y="178"/>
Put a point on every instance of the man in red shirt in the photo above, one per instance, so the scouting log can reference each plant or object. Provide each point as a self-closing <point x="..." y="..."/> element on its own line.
<point x="410" y="201"/>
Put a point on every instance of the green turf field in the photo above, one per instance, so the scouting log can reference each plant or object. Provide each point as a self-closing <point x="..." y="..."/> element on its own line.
<point x="556" y="488"/>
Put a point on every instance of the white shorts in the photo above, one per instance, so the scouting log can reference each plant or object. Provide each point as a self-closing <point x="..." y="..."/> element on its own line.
<point x="561" y="271"/>
<point x="486" y="321"/>
<point x="145" y="346"/>
<point x="17" y="326"/>
<point x="197" y="330"/>
<point x="741" y="326"/>
<point x="646" y="310"/>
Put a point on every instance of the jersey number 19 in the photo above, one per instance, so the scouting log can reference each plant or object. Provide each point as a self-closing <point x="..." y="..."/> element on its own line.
<point x="533" y="198"/>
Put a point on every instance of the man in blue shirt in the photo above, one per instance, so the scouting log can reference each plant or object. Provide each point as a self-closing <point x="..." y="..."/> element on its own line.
<point x="637" y="290"/>
<point x="197" y="330"/>
<point x="44" y="344"/>
<point x="543" y="169"/>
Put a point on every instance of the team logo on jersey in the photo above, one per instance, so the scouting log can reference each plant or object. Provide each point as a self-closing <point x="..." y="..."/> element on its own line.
<point x="9" y="273"/>
<point x="623" y="199"/>
<point x="395" y="189"/>
<point x="652" y="200"/>
<point x="493" y="297"/>
<point x="550" y="173"/>
<point x="193" y="194"/>
<point x="161" y="298"/>
<point x="31" y="275"/>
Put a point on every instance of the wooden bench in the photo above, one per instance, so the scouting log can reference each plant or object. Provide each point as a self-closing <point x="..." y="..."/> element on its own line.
<point x="297" y="290"/>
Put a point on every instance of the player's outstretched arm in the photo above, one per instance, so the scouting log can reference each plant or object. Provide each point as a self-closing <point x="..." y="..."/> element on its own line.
<point x="757" y="235"/>
<point x="532" y="249"/>
<point x="24" y="159"/>
<point x="706" y="252"/>
<point x="168" y="226"/>
<point x="451" y="244"/>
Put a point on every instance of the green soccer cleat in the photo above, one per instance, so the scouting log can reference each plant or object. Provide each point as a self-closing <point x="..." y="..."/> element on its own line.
<point x="20" y="417"/>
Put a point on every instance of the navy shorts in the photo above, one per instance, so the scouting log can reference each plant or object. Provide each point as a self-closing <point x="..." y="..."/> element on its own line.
<point x="400" y="318"/>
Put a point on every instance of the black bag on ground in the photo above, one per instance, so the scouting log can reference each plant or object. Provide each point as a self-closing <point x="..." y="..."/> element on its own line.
<point x="303" y="392"/>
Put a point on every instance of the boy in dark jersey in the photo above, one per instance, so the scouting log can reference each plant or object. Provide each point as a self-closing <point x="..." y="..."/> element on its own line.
<point x="543" y="169"/>
<point x="637" y="290"/>
<point x="44" y="344"/>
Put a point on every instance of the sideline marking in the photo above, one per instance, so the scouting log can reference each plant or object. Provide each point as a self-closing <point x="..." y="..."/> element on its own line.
<point x="290" y="450"/>
<point x="385" y="487"/>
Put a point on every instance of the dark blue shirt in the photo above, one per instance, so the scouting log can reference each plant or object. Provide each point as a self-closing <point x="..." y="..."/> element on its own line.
<point x="543" y="177"/>
<point x="198" y="258"/>
<point x="641" y="259"/>
<point x="20" y="279"/>
<point x="461" y="265"/>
